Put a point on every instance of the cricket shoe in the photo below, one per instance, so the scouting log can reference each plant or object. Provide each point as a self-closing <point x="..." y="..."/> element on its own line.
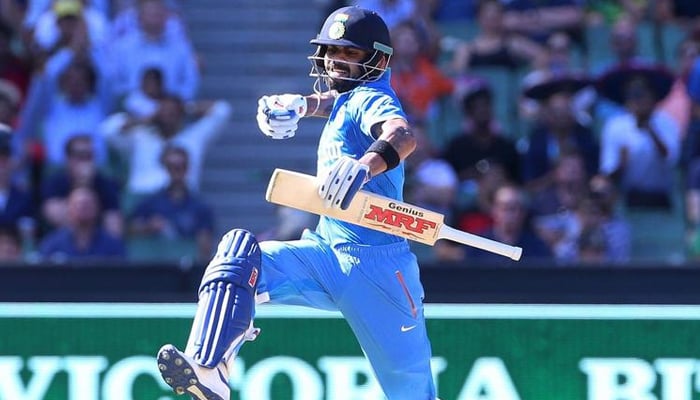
<point x="184" y="375"/>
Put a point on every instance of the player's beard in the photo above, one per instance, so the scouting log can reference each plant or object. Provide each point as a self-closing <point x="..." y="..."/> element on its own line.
<point x="341" y="85"/>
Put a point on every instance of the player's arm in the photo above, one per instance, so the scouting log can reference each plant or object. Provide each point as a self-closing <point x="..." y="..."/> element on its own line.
<point x="278" y="115"/>
<point x="395" y="135"/>
<point x="320" y="104"/>
<point x="394" y="142"/>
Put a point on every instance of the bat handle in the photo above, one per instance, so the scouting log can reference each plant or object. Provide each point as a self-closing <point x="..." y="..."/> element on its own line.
<point x="470" y="239"/>
<point x="516" y="253"/>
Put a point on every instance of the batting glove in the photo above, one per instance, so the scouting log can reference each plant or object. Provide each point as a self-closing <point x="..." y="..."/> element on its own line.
<point x="344" y="180"/>
<point x="278" y="115"/>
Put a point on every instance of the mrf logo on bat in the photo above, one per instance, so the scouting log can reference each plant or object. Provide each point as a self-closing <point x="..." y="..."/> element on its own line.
<point x="397" y="217"/>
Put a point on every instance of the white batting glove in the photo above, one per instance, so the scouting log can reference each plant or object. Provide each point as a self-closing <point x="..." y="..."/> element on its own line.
<point x="278" y="115"/>
<point x="344" y="180"/>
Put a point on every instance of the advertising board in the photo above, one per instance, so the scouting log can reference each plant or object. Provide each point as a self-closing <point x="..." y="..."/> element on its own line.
<point x="100" y="351"/>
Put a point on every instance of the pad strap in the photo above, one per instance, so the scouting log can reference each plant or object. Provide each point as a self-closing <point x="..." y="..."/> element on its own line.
<point x="387" y="152"/>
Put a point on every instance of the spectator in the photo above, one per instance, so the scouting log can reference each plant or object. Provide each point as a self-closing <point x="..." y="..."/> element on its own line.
<point x="678" y="102"/>
<point x="10" y="97"/>
<point x="558" y="58"/>
<point x="609" y="11"/>
<point x="481" y="143"/>
<point x="453" y="10"/>
<point x="510" y="225"/>
<point x="9" y="108"/>
<point x="392" y="12"/>
<point x="16" y="201"/>
<point x="418" y="13"/>
<point x="428" y="28"/>
<point x="65" y="14"/>
<point x="10" y="245"/>
<point x="11" y="13"/>
<point x="431" y="181"/>
<point x="589" y="240"/>
<point x="592" y="247"/>
<point x="495" y="45"/>
<point x="559" y="61"/>
<point x="37" y="8"/>
<point x="615" y="227"/>
<point x="472" y="211"/>
<point x="142" y="141"/>
<point x="691" y="150"/>
<point x="682" y="12"/>
<point x="175" y="212"/>
<point x="589" y="231"/>
<point x="624" y="44"/>
<point x="73" y="95"/>
<point x="538" y="19"/>
<point x="81" y="171"/>
<point x="83" y="236"/>
<point x="152" y="47"/>
<point x="482" y="156"/>
<point x="640" y="149"/>
<point x="625" y="51"/>
<point x="126" y="21"/>
<point x="418" y="81"/>
<point x="475" y="200"/>
<point x="143" y="102"/>
<point x="14" y="70"/>
<point x="565" y="233"/>
<point x="557" y="131"/>
<point x="561" y="208"/>
<point x="567" y="186"/>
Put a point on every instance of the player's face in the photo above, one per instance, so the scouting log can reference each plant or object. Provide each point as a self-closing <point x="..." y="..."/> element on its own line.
<point x="343" y="63"/>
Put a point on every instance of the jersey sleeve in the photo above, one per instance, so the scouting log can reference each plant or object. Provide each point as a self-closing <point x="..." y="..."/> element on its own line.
<point x="376" y="107"/>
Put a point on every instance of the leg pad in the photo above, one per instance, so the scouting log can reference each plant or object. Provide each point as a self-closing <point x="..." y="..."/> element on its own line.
<point x="226" y="298"/>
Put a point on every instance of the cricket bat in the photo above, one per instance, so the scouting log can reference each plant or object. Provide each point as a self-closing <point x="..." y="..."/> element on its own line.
<point x="300" y="191"/>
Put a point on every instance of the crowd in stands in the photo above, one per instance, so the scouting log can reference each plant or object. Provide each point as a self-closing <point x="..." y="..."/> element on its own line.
<point x="102" y="133"/>
<point x="570" y="128"/>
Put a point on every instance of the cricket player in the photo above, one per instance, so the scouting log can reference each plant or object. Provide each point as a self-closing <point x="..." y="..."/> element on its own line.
<point x="371" y="277"/>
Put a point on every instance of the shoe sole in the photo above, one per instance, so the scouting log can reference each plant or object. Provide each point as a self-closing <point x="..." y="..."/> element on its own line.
<point x="179" y="374"/>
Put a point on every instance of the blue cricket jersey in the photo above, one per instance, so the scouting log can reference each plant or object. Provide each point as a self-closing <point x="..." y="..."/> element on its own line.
<point x="348" y="133"/>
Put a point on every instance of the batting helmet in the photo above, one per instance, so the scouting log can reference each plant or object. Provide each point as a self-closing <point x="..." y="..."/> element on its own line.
<point x="354" y="27"/>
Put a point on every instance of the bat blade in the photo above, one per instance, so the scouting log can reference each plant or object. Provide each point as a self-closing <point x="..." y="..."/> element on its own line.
<point x="300" y="191"/>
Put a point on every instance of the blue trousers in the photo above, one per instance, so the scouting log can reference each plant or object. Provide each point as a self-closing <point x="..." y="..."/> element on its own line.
<point x="378" y="291"/>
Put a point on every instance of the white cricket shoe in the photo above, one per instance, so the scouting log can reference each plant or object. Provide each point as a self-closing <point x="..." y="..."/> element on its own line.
<point x="184" y="375"/>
